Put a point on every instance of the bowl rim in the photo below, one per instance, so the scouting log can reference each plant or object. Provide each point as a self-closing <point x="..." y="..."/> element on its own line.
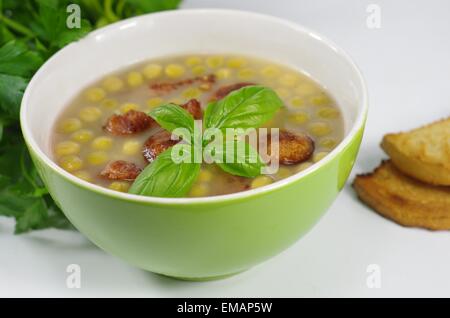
<point x="248" y="194"/>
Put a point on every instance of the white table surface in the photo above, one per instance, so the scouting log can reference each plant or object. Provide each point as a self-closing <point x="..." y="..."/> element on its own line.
<point x="407" y="66"/>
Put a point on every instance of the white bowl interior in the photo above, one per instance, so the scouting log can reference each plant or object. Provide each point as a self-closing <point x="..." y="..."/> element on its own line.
<point x="204" y="31"/>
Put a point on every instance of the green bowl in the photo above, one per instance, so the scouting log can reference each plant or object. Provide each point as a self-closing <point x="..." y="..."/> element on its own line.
<point x="195" y="238"/>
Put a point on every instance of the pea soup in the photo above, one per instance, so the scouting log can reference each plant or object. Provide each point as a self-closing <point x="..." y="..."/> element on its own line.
<point x="106" y="137"/>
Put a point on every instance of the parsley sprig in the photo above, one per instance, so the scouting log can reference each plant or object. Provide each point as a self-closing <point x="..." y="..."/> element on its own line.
<point x="30" y="32"/>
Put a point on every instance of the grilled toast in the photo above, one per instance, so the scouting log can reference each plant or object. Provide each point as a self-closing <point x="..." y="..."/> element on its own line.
<point x="404" y="200"/>
<point x="423" y="153"/>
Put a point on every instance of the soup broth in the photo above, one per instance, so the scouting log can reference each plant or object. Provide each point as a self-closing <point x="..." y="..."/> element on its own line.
<point x="83" y="147"/>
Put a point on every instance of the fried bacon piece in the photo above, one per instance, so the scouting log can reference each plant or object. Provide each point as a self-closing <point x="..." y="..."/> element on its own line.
<point x="293" y="148"/>
<point x="156" y="144"/>
<point x="131" y="122"/>
<point x="225" y="90"/>
<point x="120" y="170"/>
<point x="193" y="106"/>
<point x="166" y="87"/>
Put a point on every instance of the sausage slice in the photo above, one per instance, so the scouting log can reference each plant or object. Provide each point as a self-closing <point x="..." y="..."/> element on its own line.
<point x="134" y="121"/>
<point x="193" y="106"/>
<point x="131" y="122"/>
<point x="225" y="90"/>
<point x="120" y="170"/>
<point x="156" y="144"/>
<point x="293" y="148"/>
<point x="167" y="87"/>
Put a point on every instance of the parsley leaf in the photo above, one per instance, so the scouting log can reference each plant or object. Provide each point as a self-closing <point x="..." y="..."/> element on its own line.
<point x="17" y="63"/>
<point x="155" y="5"/>
<point x="50" y="25"/>
<point x="11" y="92"/>
<point x="22" y="192"/>
<point x="17" y="59"/>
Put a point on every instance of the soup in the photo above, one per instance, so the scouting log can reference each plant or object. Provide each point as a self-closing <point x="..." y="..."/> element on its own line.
<point x="94" y="140"/>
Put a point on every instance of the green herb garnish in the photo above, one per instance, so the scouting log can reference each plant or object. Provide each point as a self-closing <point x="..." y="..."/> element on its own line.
<point x="172" y="117"/>
<point x="249" y="165"/>
<point x="248" y="107"/>
<point x="30" y="32"/>
<point x="164" y="178"/>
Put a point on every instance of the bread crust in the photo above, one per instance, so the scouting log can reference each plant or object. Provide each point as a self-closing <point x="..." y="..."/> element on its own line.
<point x="404" y="200"/>
<point x="422" y="153"/>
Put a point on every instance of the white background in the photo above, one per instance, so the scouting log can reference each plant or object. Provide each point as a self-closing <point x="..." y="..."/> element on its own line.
<point x="407" y="67"/>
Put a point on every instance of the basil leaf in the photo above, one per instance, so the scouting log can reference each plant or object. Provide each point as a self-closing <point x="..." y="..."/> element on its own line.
<point x="239" y="159"/>
<point x="171" y="117"/>
<point x="165" y="178"/>
<point x="51" y="25"/>
<point x="248" y="107"/>
<point x="208" y="115"/>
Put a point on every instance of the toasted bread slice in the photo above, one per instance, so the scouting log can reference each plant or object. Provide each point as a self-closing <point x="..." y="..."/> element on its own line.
<point x="422" y="153"/>
<point x="403" y="199"/>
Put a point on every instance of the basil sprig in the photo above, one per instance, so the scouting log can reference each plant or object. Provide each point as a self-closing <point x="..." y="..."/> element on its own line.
<point x="164" y="177"/>
<point x="248" y="107"/>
